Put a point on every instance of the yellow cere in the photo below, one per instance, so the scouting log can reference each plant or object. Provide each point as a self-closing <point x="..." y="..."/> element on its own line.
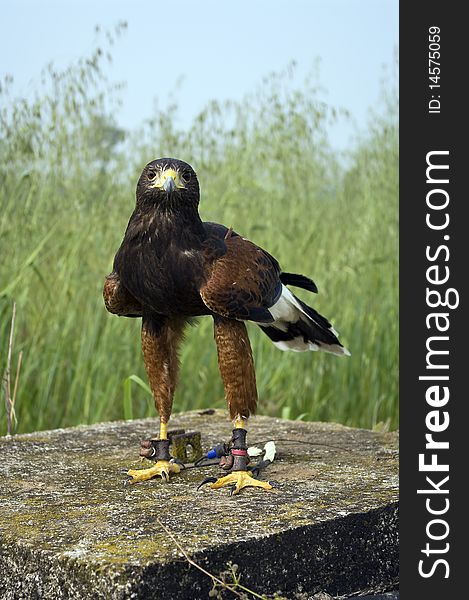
<point x="163" y="176"/>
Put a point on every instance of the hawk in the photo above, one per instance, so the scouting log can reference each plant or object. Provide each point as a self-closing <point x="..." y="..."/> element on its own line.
<point x="171" y="267"/>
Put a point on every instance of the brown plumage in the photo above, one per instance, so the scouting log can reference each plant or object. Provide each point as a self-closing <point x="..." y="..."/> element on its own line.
<point x="171" y="266"/>
<point x="236" y="366"/>
<point x="160" y="343"/>
<point x="240" y="281"/>
<point x="118" y="300"/>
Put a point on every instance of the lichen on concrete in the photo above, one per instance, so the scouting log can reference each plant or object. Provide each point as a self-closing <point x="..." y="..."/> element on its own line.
<point x="69" y="528"/>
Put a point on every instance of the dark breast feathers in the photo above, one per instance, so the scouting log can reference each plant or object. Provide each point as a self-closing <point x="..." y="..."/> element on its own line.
<point x="193" y="275"/>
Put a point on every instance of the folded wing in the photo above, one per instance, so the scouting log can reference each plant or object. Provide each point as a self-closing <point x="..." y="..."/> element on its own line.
<point x="245" y="283"/>
<point x="242" y="283"/>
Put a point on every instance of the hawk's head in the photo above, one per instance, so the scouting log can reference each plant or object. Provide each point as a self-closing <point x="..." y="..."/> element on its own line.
<point x="168" y="181"/>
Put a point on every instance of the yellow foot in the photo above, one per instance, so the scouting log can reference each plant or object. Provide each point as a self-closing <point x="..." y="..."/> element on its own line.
<point x="237" y="480"/>
<point x="162" y="468"/>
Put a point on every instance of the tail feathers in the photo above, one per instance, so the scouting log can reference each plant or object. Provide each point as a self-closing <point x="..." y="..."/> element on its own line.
<point x="299" y="281"/>
<point x="301" y="337"/>
<point x="314" y="316"/>
<point x="300" y="328"/>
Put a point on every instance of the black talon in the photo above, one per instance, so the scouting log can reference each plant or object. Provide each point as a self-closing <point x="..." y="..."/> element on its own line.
<point x="179" y="462"/>
<point x="232" y="489"/>
<point x="207" y="480"/>
<point x="164" y="476"/>
<point x="128" y="481"/>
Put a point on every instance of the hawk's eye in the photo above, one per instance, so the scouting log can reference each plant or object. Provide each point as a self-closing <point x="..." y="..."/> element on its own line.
<point x="151" y="174"/>
<point x="186" y="176"/>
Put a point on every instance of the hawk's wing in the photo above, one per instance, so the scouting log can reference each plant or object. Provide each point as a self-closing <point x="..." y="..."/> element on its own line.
<point x="243" y="282"/>
<point x="118" y="299"/>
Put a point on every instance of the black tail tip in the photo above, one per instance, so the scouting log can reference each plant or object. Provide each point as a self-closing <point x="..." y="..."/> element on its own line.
<point x="299" y="281"/>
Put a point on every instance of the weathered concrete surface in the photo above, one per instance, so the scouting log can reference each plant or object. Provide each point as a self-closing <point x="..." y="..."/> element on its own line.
<point x="70" y="529"/>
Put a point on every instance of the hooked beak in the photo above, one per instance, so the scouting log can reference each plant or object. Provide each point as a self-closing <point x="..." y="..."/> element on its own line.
<point x="169" y="185"/>
<point x="168" y="180"/>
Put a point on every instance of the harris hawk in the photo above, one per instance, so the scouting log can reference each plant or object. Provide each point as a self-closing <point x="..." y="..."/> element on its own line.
<point x="172" y="266"/>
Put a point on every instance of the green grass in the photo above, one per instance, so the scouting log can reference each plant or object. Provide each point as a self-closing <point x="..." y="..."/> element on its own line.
<point x="265" y="168"/>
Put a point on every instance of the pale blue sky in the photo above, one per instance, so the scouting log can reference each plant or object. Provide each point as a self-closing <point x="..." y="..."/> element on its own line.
<point x="222" y="48"/>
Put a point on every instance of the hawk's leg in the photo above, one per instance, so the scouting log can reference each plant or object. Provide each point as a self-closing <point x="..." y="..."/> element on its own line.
<point x="160" y="341"/>
<point x="239" y="379"/>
